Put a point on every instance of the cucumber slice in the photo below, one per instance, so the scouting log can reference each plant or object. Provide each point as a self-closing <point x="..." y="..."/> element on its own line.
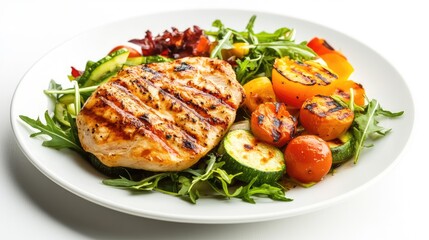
<point x="97" y="72"/>
<point x="342" y="148"/>
<point x="243" y="153"/>
<point x="135" y="61"/>
<point x="60" y="114"/>
<point x="65" y="104"/>
<point x="66" y="99"/>
<point x="71" y="108"/>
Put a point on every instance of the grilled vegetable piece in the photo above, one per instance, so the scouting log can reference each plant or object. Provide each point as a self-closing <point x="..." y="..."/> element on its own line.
<point x="64" y="106"/>
<point x="321" y="46"/>
<point x="333" y="58"/>
<point x="238" y="50"/>
<point x="324" y="117"/>
<point x="60" y="114"/>
<point x="161" y="116"/>
<point x="103" y="69"/>
<point x="273" y="124"/>
<point x="258" y="91"/>
<point x="342" y="148"/>
<point x="308" y="159"/>
<point x="339" y="64"/>
<point x="295" y="81"/>
<point x="243" y="153"/>
<point x="343" y="88"/>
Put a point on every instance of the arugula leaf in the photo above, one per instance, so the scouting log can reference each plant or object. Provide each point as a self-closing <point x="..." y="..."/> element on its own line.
<point x="366" y="125"/>
<point x="282" y="33"/>
<point x="252" y="38"/>
<point x="189" y="180"/>
<point x="53" y="86"/>
<point x="287" y="48"/>
<point x="55" y="90"/>
<point x="275" y="193"/>
<point x="247" y="68"/>
<point x="263" y="47"/>
<point x="224" y="43"/>
<point x="146" y="184"/>
<point x="191" y="183"/>
<point x="60" y="138"/>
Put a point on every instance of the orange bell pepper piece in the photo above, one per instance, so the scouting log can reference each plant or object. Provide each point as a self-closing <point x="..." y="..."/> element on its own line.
<point x="338" y="64"/>
<point x="335" y="60"/>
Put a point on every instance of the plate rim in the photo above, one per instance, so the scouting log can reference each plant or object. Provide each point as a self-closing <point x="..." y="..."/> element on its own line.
<point x="236" y="219"/>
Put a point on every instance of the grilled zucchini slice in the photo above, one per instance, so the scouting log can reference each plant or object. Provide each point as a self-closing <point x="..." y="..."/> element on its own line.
<point x="244" y="154"/>
<point x="342" y="148"/>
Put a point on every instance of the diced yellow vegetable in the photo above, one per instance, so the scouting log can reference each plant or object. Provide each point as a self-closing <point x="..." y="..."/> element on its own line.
<point x="258" y="91"/>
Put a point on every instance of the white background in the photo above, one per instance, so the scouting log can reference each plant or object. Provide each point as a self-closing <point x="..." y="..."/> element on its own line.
<point x="394" y="207"/>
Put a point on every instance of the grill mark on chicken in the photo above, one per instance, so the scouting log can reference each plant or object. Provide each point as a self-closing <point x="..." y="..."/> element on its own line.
<point x="134" y="125"/>
<point x="163" y="101"/>
<point x="160" y="117"/>
<point x="183" y="67"/>
<point x="148" y="119"/>
<point x="203" y="81"/>
<point x="201" y="103"/>
<point x="138" y="124"/>
<point x="189" y="95"/>
<point x="214" y="93"/>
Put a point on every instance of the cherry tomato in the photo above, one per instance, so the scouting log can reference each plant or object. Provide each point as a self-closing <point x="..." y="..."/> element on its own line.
<point x="308" y="159"/>
<point x="133" y="51"/>
<point x="324" y="117"/>
<point x="273" y="124"/>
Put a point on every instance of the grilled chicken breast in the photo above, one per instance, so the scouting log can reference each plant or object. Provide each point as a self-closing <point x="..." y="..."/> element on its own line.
<point x="161" y="116"/>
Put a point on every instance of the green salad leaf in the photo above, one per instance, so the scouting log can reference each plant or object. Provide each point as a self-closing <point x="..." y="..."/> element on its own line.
<point x="366" y="125"/>
<point x="208" y="179"/>
<point x="59" y="138"/>
<point x="264" y="48"/>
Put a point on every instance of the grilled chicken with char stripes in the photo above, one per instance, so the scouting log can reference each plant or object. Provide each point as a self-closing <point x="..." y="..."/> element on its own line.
<point x="161" y="116"/>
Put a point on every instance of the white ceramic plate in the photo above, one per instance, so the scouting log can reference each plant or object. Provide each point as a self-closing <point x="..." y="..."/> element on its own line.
<point x="68" y="170"/>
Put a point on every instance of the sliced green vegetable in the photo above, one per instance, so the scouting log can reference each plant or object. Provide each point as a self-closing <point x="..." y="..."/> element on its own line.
<point x="243" y="153"/>
<point x="100" y="71"/>
<point x="134" y="61"/>
<point x="60" y="114"/>
<point x="342" y="148"/>
<point x="66" y="99"/>
<point x="146" y="59"/>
